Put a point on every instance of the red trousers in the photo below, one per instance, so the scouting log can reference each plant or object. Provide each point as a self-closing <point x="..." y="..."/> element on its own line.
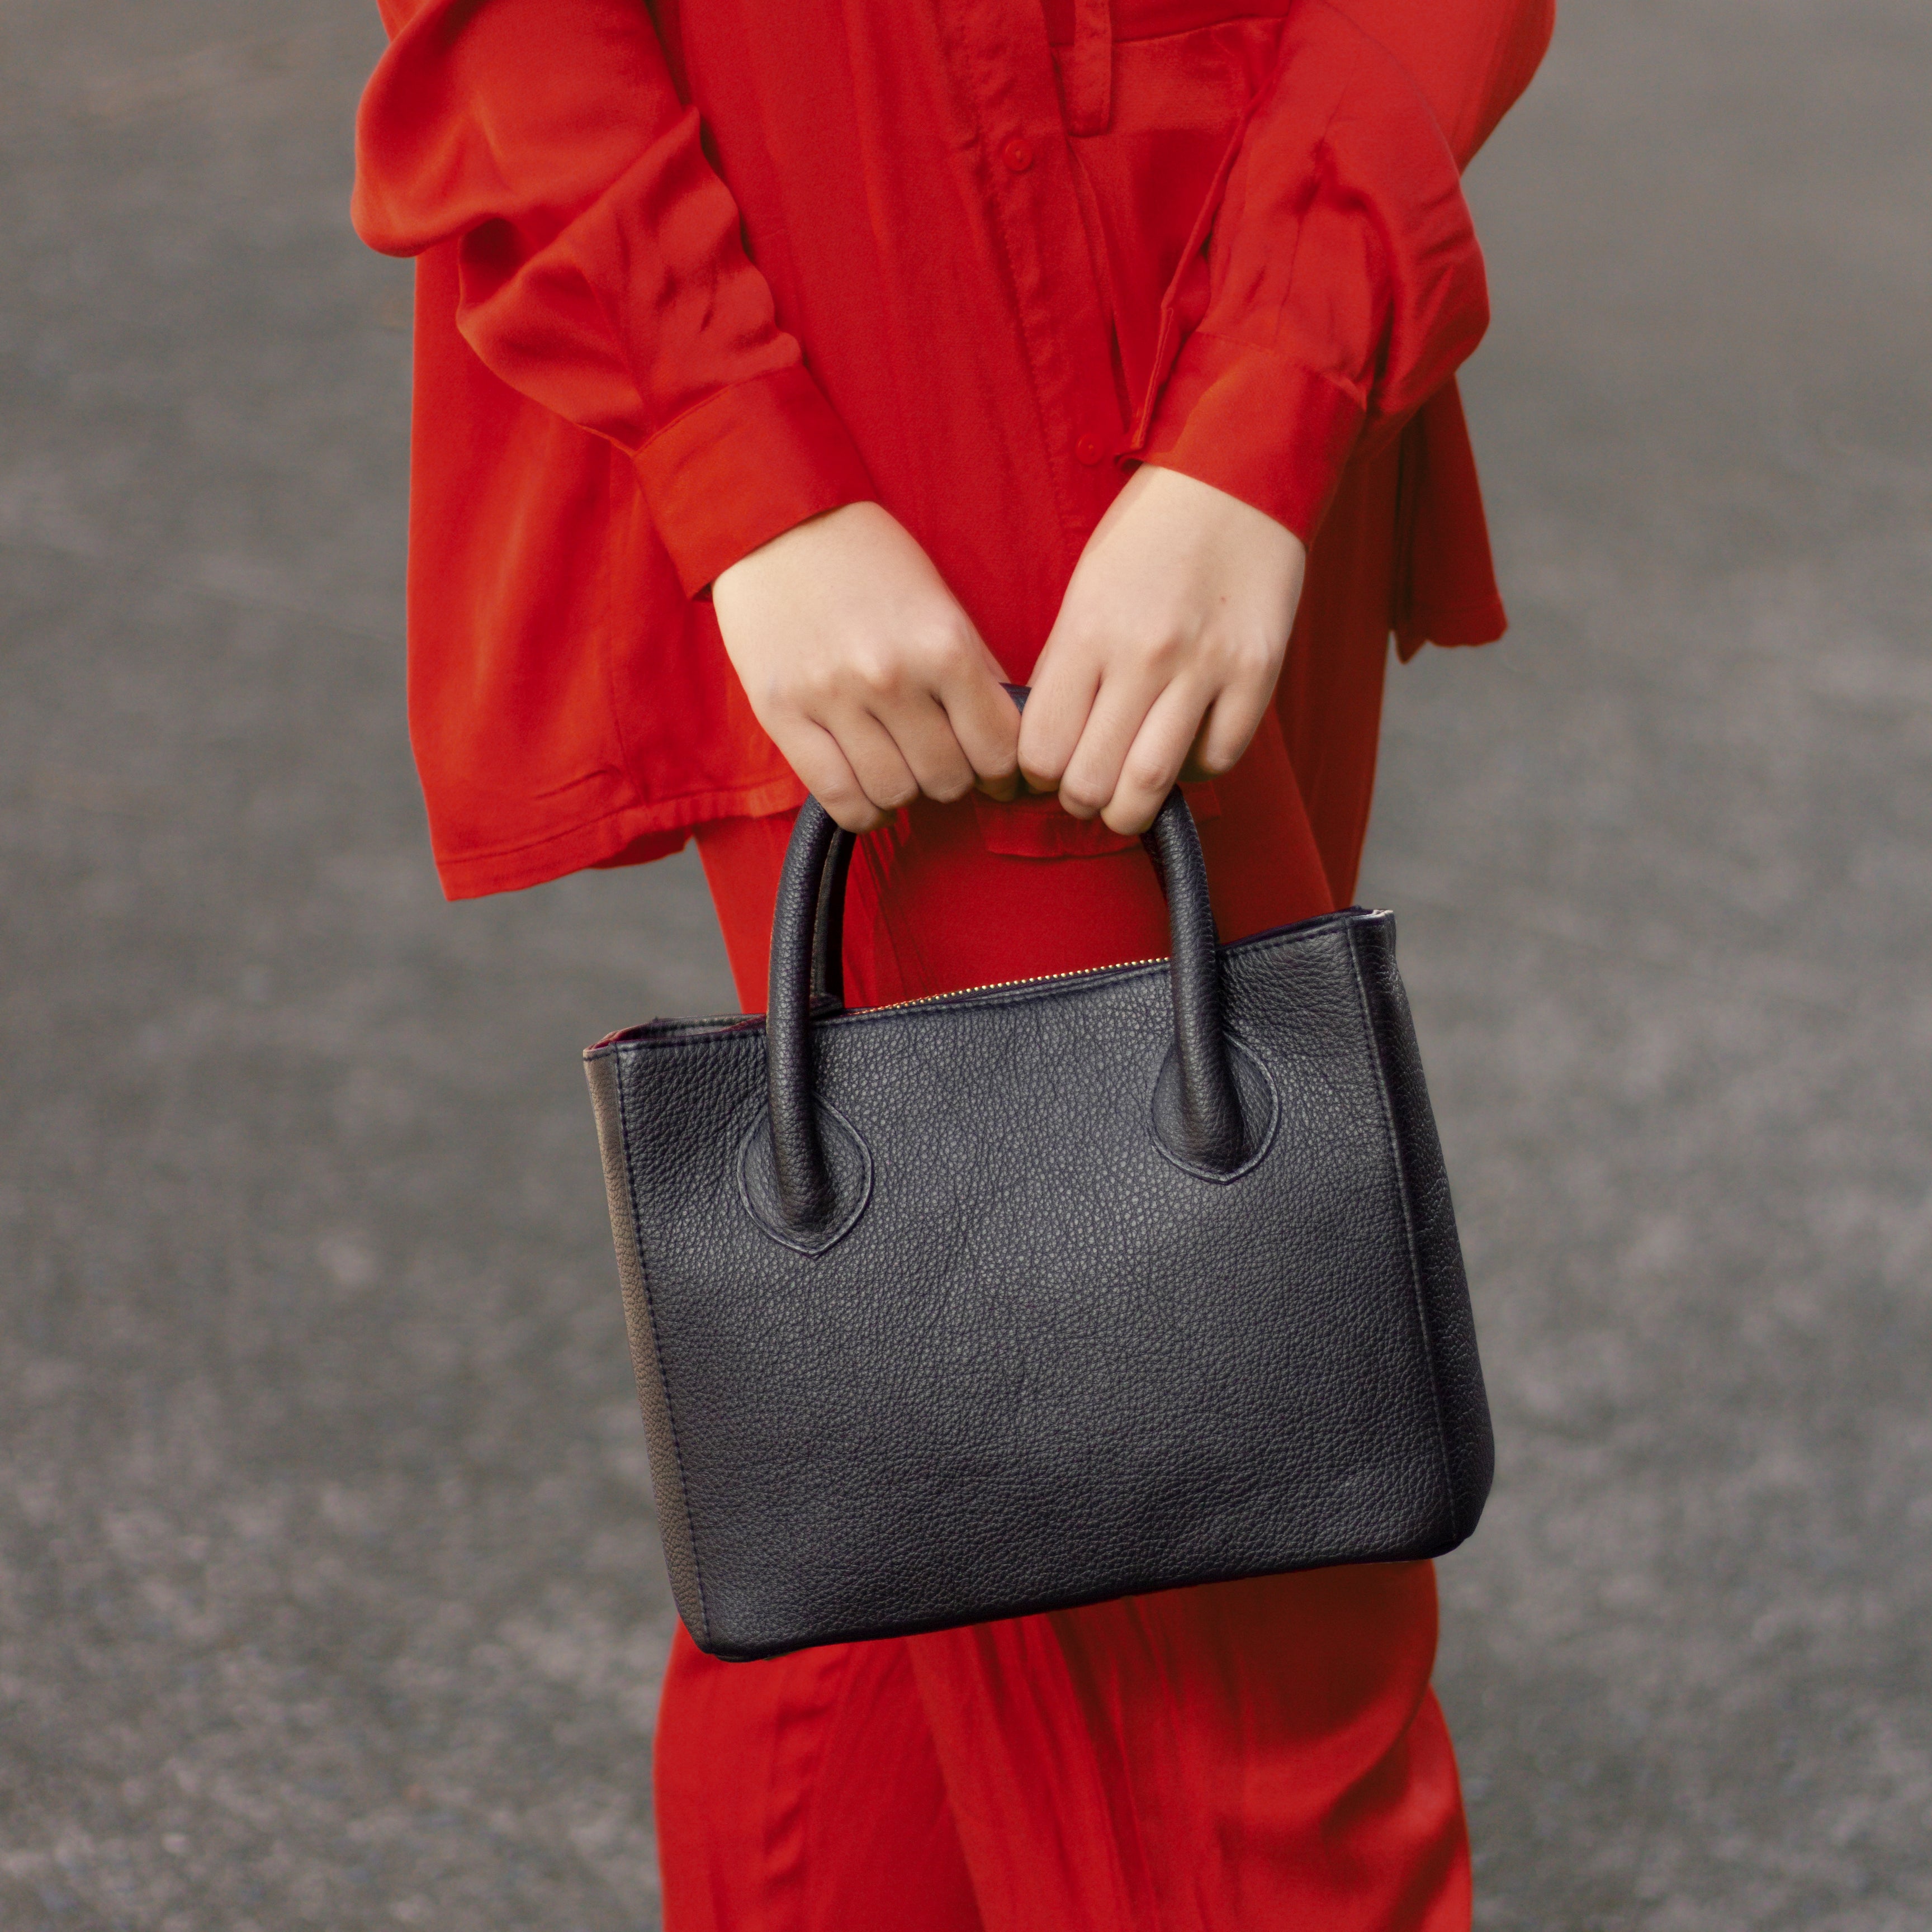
<point x="1263" y="1754"/>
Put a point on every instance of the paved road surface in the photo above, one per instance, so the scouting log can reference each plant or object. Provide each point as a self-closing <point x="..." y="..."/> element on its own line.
<point x="327" y="1594"/>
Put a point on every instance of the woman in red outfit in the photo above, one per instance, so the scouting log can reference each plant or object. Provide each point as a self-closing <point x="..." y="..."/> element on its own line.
<point x="787" y="378"/>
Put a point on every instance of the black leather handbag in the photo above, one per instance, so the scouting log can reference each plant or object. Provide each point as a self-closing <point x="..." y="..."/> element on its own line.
<point x="1038" y="1294"/>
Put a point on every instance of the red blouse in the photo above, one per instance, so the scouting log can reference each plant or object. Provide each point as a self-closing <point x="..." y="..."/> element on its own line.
<point x="975" y="259"/>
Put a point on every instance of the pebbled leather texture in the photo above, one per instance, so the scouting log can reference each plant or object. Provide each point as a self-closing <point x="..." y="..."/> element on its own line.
<point x="1047" y="1363"/>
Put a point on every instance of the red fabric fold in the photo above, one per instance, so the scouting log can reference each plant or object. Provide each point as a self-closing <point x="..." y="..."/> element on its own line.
<point x="1445" y="592"/>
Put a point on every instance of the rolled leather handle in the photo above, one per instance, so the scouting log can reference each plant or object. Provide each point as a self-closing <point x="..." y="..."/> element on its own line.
<point x="806" y="940"/>
<point x="1209" y="1129"/>
<point x="805" y="1196"/>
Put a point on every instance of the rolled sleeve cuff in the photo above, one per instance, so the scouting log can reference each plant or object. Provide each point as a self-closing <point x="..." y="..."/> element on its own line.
<point x="744" y="466"/>
<point x="1249" y="422"/>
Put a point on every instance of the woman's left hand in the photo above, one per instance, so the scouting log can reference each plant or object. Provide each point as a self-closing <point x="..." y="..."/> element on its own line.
<point x="1166" y="649"/>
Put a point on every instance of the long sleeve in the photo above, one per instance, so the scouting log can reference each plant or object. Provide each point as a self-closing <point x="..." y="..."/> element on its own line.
<point x="600" y="269"/>
<point x="1340" y="284"/>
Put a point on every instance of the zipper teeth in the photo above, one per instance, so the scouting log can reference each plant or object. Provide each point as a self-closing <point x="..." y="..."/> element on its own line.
<point x="1002" y="985"/>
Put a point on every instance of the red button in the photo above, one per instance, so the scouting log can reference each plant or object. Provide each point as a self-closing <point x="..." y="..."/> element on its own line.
<point x="1017" y="154"/>
<point x="1088" y="449"/>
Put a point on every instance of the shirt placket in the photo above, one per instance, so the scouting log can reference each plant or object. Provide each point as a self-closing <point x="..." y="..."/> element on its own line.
<point x="1026" y="166"/>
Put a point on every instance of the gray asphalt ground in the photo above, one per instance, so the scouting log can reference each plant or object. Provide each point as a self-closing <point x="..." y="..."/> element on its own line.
<point x="328" y="1593"/>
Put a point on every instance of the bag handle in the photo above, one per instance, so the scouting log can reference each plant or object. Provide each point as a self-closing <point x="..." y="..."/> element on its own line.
<point x="1206" y="1127"/>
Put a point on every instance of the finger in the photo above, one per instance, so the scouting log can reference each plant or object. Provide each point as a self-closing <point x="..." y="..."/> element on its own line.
<point x="1120" y="707"/>
<point x="971" y="691"/>
<point x="920" y="727"/>
<point x="825" y="771"/>
<point x="1065" y="683"/>
<point x="877" y="762"/>
<point x="1153" y="762"/>
<point x="1193" y="771"/>
<point x="1227" y="731"/>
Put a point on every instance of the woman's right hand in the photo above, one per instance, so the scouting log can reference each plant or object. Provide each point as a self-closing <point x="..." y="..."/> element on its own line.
<point x="864" y="669"/>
